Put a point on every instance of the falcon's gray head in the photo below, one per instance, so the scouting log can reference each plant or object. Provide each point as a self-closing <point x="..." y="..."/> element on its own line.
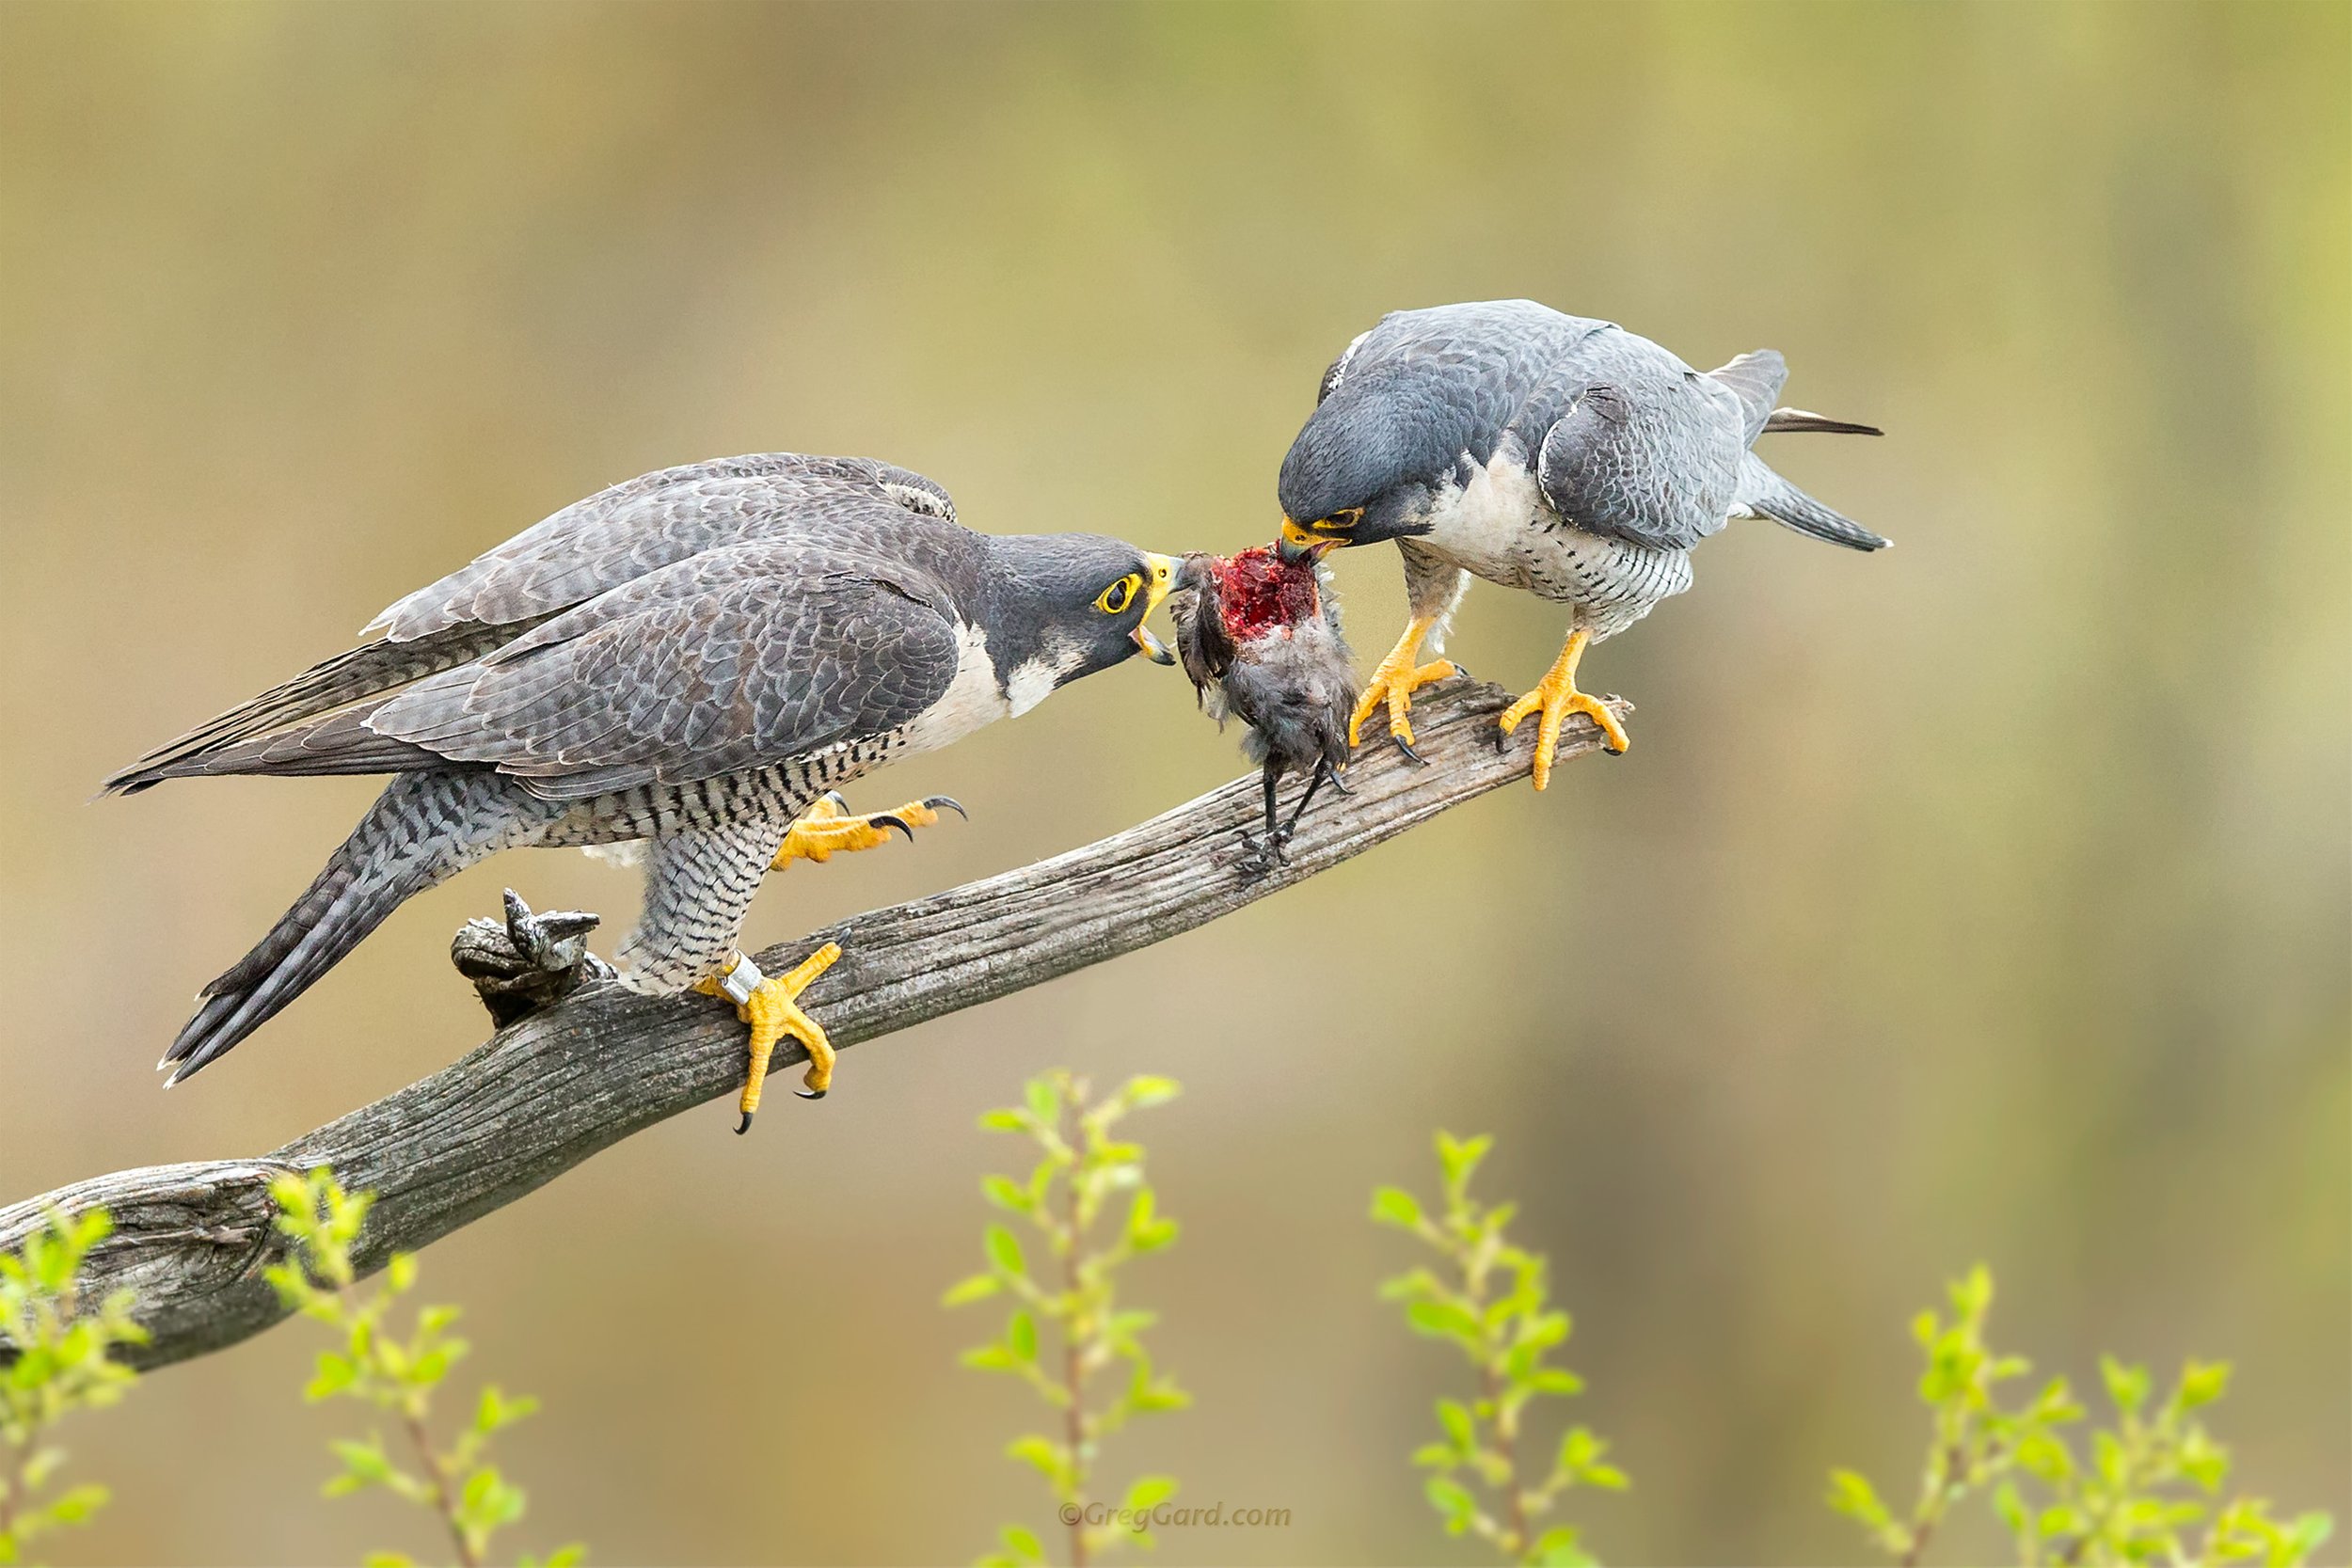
<point x="1070" y="604"/>
<point x="1367" y="465"/>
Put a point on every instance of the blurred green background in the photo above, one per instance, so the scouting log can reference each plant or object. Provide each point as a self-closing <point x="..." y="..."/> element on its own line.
<point x="1986" y="899"/>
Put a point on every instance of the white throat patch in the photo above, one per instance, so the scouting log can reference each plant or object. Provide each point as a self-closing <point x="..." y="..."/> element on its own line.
<point x="1030" y="685"/>
<point x="973" y="699"/>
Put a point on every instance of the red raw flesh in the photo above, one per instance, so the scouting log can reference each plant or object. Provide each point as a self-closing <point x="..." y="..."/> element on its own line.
<point x="1261" y="594"/>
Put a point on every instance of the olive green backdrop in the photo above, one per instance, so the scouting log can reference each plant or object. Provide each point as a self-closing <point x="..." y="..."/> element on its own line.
<point x="1983" y="900"/>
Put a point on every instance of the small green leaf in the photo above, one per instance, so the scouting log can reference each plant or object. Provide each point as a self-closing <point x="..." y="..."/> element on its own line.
<point x="1559" y="1547"/>
<point x="2010" y="1506"/>
<point x="1160" y="1234"/>
<point x="1020" y="1336"/>
<point x="1145" y="1091"/>
<point x="1441" y="1319"/>
<point x="1024" y="1546"/>
<point x="974" y="1288"/>
<point x="2203" y="1382"/>
<point x="363" y="1462"/>
<point x="1161" y="1394"/>
<point x="1397" y="1207"/>
<point x="1004" y="1250"/>
<point x="1458" y="1426"/>
<point x="1042" y="1456"/>
<point x="2045" y="1456"/>
<point x="76" y="1505"/>
<point x="1420" y="1282"/>
<point x="335" y="1373"/>
<point x="1006" y="1194"/>
<point x="2127" y="1385"/>
<point x="1972" y="1296"/>
<point x="1148" y="1492"/>
<point x="1453" y="1499"/>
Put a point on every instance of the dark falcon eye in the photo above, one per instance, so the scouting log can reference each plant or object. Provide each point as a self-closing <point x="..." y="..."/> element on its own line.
<point x="1344" y="519"/>
<point x="1120" y="594"/>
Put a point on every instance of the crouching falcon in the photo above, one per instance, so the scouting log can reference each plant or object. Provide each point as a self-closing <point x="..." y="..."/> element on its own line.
<point x="692" y="662"/>
<point x="1563" y="457"/>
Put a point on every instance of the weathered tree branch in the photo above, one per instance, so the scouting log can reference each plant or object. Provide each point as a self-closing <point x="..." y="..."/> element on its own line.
<point x="550" y="1091"/>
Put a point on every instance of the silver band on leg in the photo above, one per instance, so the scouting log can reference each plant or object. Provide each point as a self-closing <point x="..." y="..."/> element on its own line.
<point x="740" y="979"/>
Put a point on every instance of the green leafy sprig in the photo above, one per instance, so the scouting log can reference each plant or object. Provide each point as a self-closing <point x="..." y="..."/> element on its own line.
<point x="1491" y="1300"/>
<point x="1066" y="1328"/>
<point x="64" y="1361"/>
<point x="397" y="1374"/>
<point x="2152" y="1491"/>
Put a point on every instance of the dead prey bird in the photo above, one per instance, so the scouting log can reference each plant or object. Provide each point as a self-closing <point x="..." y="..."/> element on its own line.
<point x="1261" y="640"/>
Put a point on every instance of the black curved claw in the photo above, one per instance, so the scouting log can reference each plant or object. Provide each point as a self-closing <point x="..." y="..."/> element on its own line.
<point x="883" y="819"/>
<point x="1338" y="782"/>
<point x="811" y="1094"/>
<point x="1406" y="747"/>
<point x="935" y="801"/>
<point x="744" y="1126"/>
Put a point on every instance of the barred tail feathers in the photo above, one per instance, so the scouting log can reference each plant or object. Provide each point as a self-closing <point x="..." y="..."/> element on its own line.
<point x="424" y="829"/>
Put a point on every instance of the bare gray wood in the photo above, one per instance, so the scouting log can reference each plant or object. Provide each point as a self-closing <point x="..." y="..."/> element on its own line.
<point x="552" y="1089"/>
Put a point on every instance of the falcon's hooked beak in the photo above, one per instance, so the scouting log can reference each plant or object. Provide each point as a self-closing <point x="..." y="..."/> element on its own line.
<point x="1300" y="542"/>
<point x="1163" y="576"/>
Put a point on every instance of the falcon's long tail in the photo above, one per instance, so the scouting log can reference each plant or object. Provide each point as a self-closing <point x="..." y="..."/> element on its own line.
<point x="425" y="827"/>
<point x="1784" y="420"/>
<point x="1765" y="494"/>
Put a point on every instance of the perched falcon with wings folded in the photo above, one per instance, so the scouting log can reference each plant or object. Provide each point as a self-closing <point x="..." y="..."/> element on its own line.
<point x="1565" y="456"/>
<point x="690" y="660"/>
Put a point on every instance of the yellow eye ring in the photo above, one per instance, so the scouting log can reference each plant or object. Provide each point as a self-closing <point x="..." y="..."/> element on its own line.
<point x="1120" y="594"/>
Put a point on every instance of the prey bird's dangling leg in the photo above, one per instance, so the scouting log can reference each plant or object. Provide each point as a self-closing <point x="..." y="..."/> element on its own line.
<point x="1393" y="681"/>
<point x="827" y="829"/>
<point x="1314" y="782"/>
<point x="1555" y="697"/>
<point x="769" y="1004"/>
<point x="1266" y="853"/>
<point x="530" y="961"/>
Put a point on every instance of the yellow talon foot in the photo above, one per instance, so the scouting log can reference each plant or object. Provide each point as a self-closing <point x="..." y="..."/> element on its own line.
<point x="772" y="1009"/>
<point x="1555" y="697"/>
<point x="827" y="829"/>
<point x="1393" y="681"/>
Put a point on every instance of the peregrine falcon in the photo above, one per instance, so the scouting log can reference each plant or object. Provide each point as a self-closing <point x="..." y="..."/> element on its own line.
<point x="1261" y="641"/>
<point x="1565" y="456"/>
<point x="690" y="662"/>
